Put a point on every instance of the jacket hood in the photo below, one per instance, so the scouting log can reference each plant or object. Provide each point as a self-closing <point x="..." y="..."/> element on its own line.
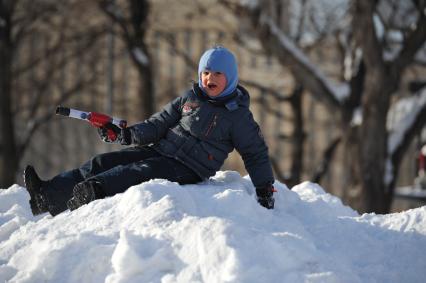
<point x="220" y="59"/>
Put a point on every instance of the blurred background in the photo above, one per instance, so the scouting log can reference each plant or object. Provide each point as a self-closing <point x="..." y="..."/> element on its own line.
<point x="337" y="86"/>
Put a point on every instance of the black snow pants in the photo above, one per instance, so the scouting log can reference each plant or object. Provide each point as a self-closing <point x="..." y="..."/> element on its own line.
<point x="116" y="171"/>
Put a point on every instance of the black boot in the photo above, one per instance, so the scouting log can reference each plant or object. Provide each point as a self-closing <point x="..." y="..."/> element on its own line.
<point x="33" y="185"/>
<point x="85" y="192"/>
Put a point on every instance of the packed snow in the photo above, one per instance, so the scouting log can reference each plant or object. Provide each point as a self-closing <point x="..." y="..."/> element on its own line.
<point x="215" y="231"/>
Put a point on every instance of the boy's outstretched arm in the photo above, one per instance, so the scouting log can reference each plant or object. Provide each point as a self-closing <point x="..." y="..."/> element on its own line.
<point x="249" y="142"/>
<point x="155" y="127"/>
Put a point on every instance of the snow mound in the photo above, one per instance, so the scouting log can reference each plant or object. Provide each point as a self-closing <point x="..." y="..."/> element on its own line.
<point x="159" y="231"/>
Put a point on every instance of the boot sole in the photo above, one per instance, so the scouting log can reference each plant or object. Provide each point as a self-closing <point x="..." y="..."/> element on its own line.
<point x="81" y="197"/>
<point x="34" y="191"/>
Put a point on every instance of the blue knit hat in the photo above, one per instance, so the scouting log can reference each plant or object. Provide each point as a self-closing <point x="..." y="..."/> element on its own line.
<point x="220" y="59"/>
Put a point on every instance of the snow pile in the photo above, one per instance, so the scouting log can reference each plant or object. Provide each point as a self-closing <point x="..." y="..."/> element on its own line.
<point x="212" y="232"/>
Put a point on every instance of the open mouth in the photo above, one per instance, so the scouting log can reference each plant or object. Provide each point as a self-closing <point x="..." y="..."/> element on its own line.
<point x="211" y="86"/>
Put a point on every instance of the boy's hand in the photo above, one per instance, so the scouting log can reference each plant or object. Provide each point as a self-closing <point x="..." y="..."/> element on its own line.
<point x="122" y="136"/>
<point x="265" y="196"/>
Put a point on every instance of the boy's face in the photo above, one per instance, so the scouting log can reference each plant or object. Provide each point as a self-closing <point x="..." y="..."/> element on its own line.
<point x="213" y="82"/>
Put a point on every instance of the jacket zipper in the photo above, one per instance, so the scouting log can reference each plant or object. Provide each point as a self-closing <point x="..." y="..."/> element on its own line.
<point x="212" y="124"/>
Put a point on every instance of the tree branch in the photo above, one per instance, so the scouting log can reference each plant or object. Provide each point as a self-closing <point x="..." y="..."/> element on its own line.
<point x="193" y="65"/>
<point x="366" y="34"/>
<point x="37" y="123"/>
<point x="278" y="44"/>
<point x="322" y="168"/>
<point x="88" y="36"/>
<point x="414" y="41"/>
<point x="117" y="16"/>
<point x="409" y="126"/>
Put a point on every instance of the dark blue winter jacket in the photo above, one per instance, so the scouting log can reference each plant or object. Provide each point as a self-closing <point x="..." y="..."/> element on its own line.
<point x="201" y="132"/>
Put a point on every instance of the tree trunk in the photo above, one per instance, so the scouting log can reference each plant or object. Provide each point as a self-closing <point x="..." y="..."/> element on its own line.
<point x="146" y="86"/>
<point x="8" y="157"/>
<point x="298" y="136"/>
<point x="364" y="145"/>
<point x="352" y="187"/>
<point x="134" y="29"/>
<point x="372" y="137"/>
<point x="373" y="140"/>
<point x="139" y="15"/>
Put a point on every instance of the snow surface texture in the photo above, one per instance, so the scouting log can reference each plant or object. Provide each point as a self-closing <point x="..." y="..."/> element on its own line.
<point x="159" y="231"/>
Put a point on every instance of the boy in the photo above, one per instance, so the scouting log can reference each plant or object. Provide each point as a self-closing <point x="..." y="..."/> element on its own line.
<point x="186" y="142"/>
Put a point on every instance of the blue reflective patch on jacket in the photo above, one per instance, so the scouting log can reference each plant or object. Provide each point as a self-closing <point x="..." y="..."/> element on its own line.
<point x="200" y="133"/>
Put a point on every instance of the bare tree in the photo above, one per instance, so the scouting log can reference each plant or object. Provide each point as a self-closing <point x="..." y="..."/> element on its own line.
<point x="7" y="138"/>
<point x="25" y="107"/>
<point x="382" y="79"/>
<point x="131" y="19"/>
<point x="371" y="164"/>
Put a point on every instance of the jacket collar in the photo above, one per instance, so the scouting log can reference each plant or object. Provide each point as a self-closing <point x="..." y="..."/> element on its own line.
<point x="229" y="101"/>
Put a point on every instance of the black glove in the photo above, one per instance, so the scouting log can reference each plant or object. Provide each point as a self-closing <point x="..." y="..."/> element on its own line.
<point x="122" y="136"/>
<point x="265" y="196"/>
